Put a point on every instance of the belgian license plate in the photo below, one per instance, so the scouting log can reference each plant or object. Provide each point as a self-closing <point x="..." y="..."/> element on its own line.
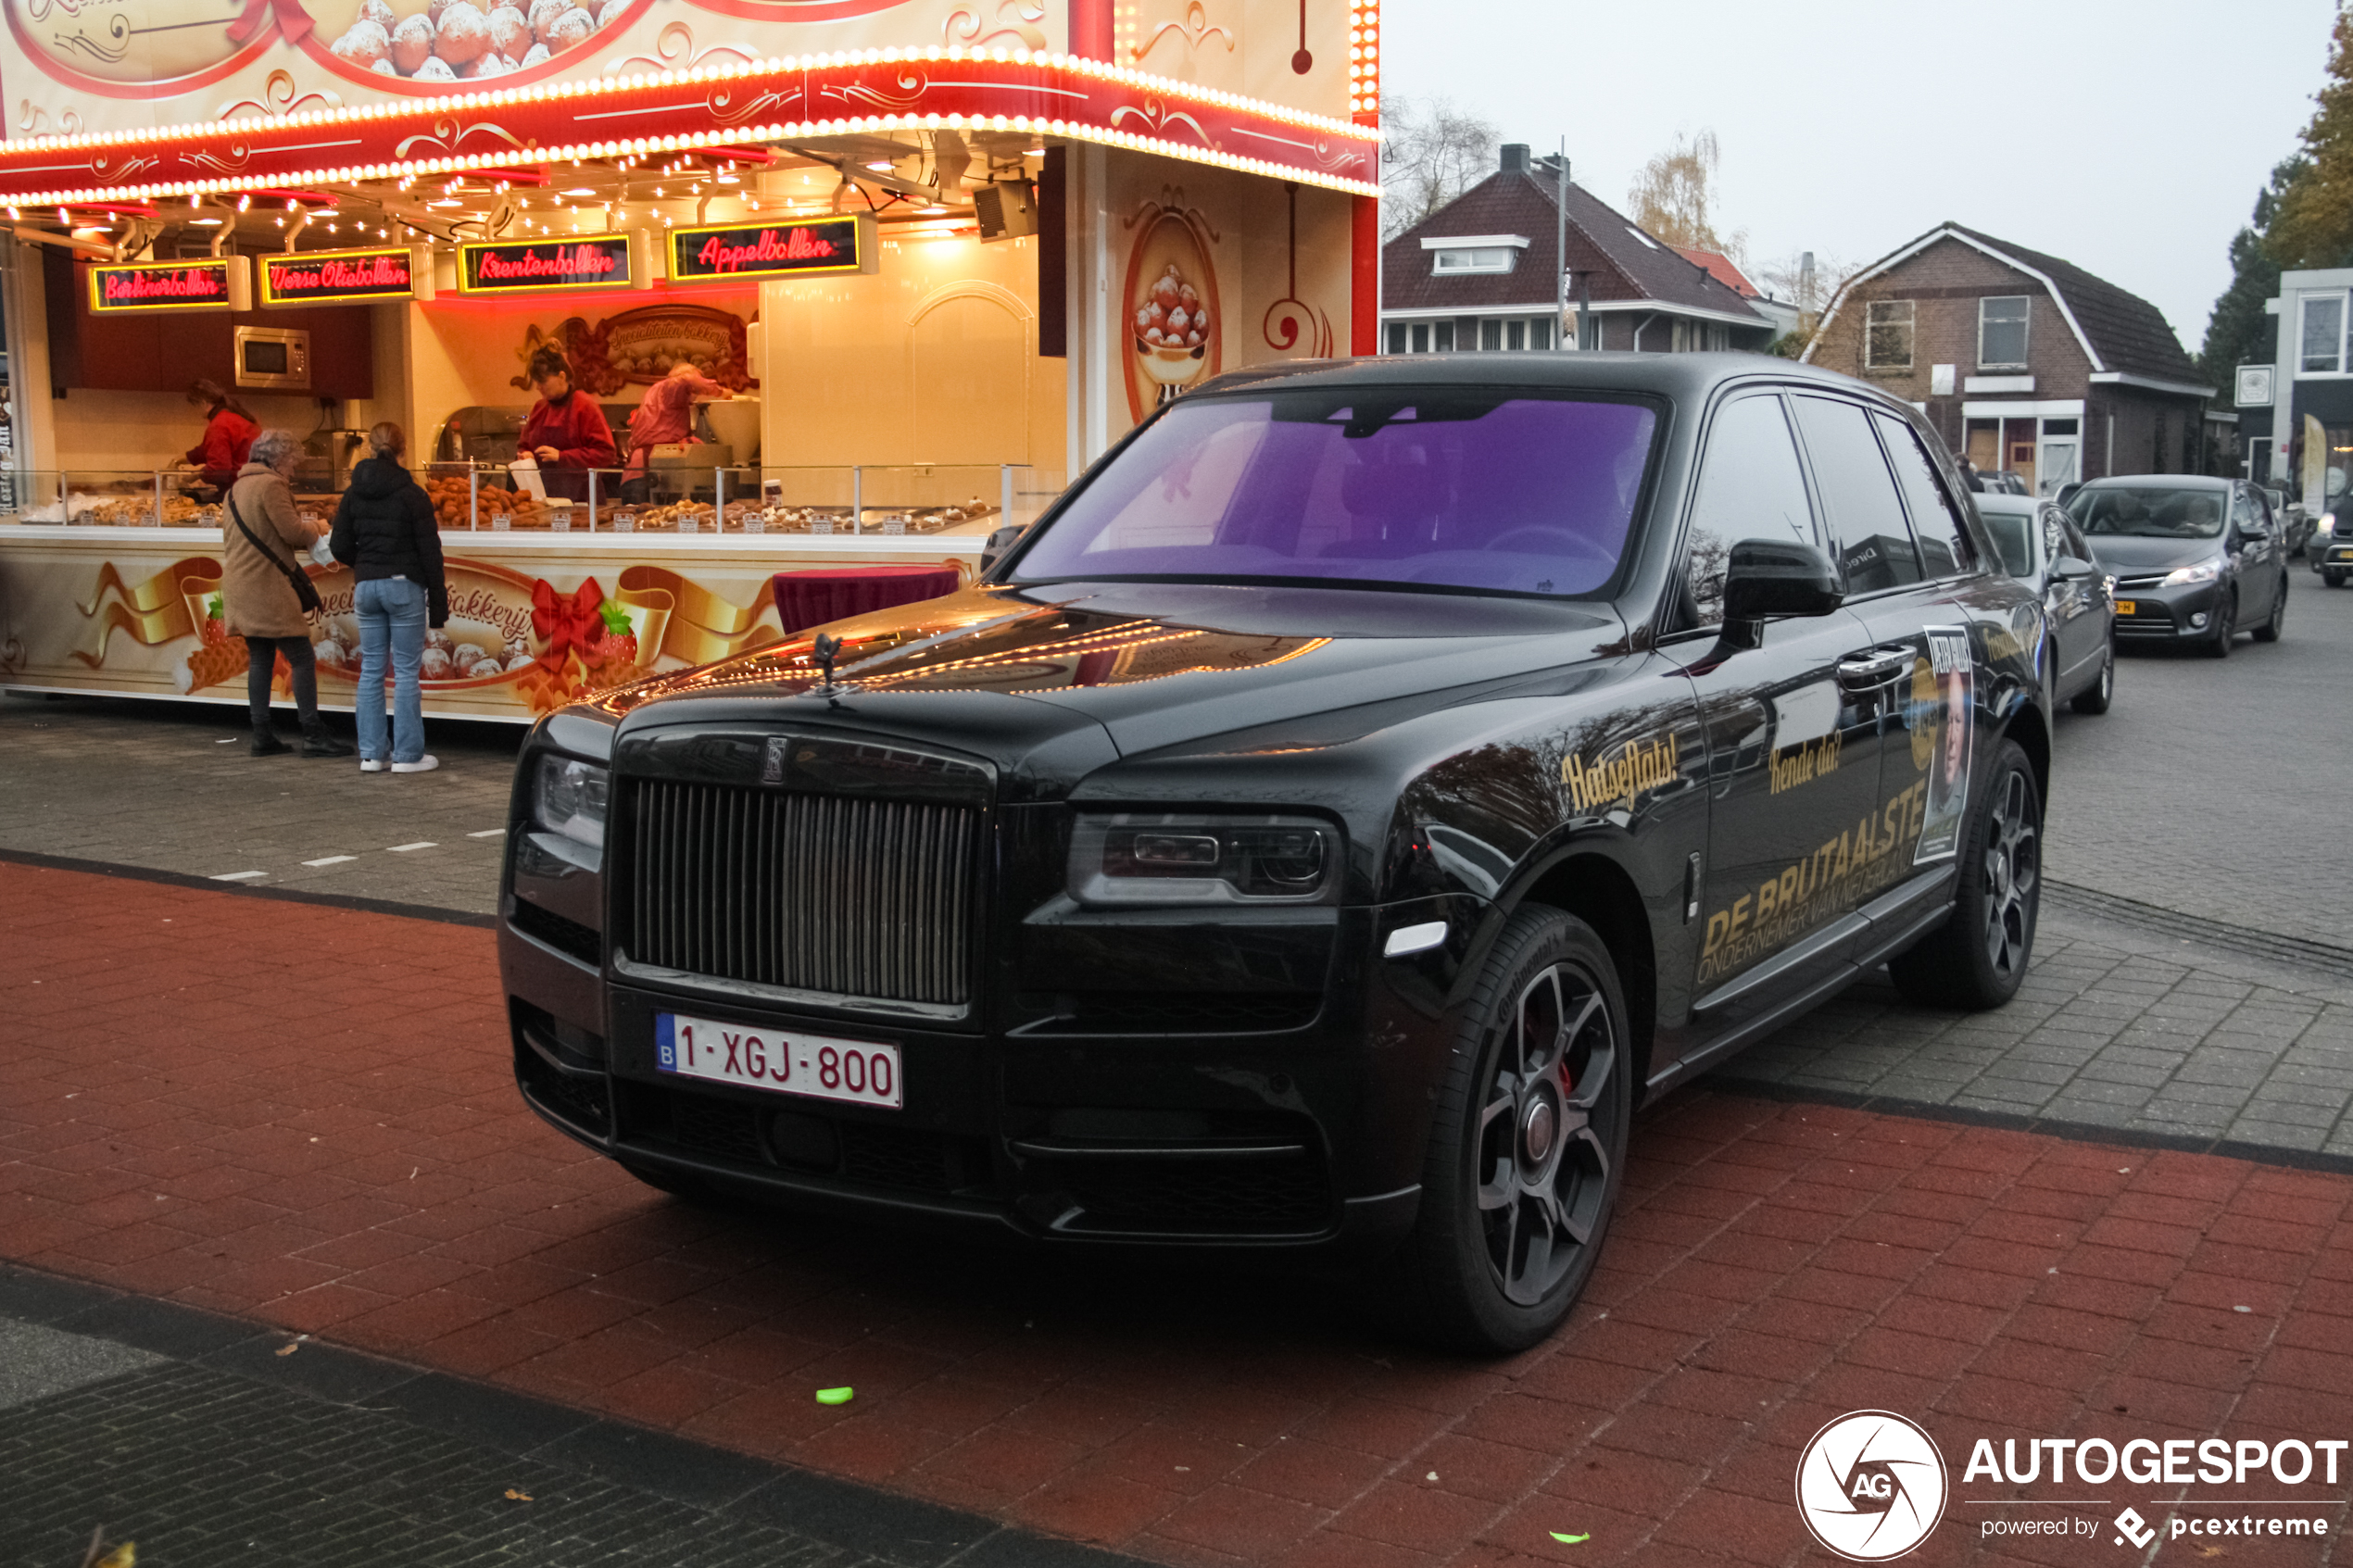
<point x="2124" y="606"/>
<point x="814" y="1066"/>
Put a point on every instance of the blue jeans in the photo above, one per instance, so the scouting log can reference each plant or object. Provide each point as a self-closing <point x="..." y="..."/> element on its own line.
<point x="392" y="614"/>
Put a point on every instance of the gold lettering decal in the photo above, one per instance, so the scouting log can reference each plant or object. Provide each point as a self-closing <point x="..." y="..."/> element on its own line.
<point x="1643" y="766"/>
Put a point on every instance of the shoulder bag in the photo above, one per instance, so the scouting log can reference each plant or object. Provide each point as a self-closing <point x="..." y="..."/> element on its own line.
<point x="306" y="592"/>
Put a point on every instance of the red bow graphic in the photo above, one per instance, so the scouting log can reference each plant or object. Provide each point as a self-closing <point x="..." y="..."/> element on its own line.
<point x="293" y="20"/>
<point x="567" y="621"/>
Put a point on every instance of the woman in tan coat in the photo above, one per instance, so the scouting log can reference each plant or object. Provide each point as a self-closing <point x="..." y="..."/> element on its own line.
<point x="260" y="531"/>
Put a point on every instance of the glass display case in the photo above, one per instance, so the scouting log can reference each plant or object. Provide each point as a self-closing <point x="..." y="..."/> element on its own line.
<point x="676" y="500"/>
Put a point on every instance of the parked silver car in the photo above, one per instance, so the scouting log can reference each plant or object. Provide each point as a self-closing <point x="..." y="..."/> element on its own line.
<point x="2041" y="548"/>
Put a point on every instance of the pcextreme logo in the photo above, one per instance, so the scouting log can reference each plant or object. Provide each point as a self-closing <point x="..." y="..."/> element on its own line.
<point x="1871" y="1486"/>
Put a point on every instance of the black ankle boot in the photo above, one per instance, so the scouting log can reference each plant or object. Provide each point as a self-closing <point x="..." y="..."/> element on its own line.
<point x="267" y="744"/>
<point x="318" y="741"/>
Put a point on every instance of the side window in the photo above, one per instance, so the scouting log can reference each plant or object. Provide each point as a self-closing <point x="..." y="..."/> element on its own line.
<point x="1750" y="487"/>
<point x="1865" y="519"/>
<point x="2242" y="513"/>
<point x="1945" y="545"/>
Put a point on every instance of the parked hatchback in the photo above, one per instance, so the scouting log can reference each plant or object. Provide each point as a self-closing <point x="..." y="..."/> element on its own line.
<point x="2197" y="560"/>
<point x="2042" y="547"/>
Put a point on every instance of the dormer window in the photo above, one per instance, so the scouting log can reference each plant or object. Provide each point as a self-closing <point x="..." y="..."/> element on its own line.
<point x="1461" y="255"/>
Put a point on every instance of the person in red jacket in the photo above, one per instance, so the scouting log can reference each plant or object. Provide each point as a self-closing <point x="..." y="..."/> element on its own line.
<point x="566" y="430"/>
<point x="228" y="434"/>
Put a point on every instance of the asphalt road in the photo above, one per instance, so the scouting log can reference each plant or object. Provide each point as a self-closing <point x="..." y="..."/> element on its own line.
<point x="2210" y="786"/>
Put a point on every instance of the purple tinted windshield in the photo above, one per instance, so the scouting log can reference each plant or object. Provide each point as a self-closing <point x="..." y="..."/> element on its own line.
<point x="1464" y="488"/>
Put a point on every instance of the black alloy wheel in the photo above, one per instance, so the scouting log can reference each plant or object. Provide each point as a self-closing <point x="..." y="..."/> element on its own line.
<point x="2095" y="698"/>
<point x="2270" y="630"/>
<point x="1528" y="1148"/>
<point x="2226" y="626"/>
<point x="1977" y="959"/>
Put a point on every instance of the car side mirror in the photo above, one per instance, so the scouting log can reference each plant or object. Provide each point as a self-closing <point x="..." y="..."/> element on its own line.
<point x="2073" y="569"/>
<point x="1779" y="577"/>
<point x="997" y="543"/>
<point x="2253" y="536"/>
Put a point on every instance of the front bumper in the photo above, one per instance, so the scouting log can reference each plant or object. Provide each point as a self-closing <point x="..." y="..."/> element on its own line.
<point x="2332" y="554"/>
<point x="1287" y="1120"/>
<point x="2178" y="614"/>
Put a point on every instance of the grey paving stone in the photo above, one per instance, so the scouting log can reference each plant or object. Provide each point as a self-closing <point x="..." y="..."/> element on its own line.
<point x="37" y="1362"/>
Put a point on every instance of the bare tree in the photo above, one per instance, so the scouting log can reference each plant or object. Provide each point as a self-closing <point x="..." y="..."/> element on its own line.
<point x="1675" y="198"/>
<point x="1808" y="280"/>
<point x="1432" y="153"/>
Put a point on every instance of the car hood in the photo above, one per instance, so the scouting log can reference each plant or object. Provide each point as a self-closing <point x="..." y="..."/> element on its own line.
<point x="2122" y="552"/>
<point x="1148" y="664"/>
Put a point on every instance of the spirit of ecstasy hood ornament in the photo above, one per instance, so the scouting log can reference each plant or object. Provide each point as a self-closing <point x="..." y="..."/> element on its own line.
<point x="825" y="650"/>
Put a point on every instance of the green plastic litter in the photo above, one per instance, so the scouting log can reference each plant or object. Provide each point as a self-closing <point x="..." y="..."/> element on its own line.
<point x="1568" y="1540"/>
<point x="834" y="1396"/>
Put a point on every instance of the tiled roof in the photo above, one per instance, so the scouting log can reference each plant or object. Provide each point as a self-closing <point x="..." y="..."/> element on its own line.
<point x="1721" y="268"/>
<point x="1625" y="263"/>
<point x="2127" y="332"/>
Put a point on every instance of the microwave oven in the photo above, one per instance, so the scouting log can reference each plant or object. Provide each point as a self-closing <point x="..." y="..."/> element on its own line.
<point x="276" y="358"/>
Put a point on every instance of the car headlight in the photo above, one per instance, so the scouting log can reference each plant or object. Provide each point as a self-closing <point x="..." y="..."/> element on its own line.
<point x="2204" y="571"/>
<point x="1146" y="858"/>
<point x="2327" y="523"/>
<point x="569" y="797"/>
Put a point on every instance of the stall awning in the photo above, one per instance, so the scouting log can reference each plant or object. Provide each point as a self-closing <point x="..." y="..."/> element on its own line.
<point x="639" y="114"/>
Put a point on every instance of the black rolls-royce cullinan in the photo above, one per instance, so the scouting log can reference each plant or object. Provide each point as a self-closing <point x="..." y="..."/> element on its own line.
<point x="1368" y="783"/>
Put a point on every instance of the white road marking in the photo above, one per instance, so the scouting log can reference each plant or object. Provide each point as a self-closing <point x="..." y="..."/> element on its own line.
<point x="331" y="860"/>
<point x="239" y="877"/>
<point x="404" y="848"/>
<point x="489" y="832"/>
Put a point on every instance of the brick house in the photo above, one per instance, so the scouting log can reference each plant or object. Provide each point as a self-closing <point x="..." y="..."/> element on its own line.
<point x="2023" y="361"/>
<point x="1481" y="275"/>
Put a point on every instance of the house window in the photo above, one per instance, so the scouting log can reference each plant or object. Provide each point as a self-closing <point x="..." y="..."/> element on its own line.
<point x="1516" y="335"/>
<point x="1442" y="337"/>
<point x="1490" y="336"/>
<point x="1887" y="336"/>
<point x="1421" y="337"/>
<point x="1540" y="335"/>
<point x="2324" y="341"/>
<point x="1483" y="258"/>
<point x="2001" y="332"/>
<point x="1397" y="338"/>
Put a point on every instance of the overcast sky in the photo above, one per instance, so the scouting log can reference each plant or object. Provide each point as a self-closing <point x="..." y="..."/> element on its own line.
<point x="2127" y="136"/>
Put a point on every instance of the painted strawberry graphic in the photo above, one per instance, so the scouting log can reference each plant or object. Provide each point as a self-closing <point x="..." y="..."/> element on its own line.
<point x="215" y="629"/>
<point x="620" y="643"/>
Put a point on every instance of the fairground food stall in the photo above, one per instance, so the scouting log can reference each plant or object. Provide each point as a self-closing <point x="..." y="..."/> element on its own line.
<point x="942" y="253"/>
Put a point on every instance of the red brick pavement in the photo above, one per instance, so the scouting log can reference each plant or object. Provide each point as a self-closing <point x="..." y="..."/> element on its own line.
<point x="304" y="1116"/>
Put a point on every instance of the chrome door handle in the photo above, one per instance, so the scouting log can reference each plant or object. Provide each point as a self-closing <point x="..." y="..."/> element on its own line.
<point x="1874" y="668"/>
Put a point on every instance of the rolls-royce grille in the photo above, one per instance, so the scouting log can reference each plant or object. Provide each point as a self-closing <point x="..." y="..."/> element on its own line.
<point x="839" y="894"/>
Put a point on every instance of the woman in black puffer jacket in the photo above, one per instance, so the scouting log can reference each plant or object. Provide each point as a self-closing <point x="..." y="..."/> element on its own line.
<point x="385" y="532"/>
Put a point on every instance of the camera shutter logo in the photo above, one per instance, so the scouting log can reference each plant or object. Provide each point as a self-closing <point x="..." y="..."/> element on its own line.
<point x="1871" y="1486"/>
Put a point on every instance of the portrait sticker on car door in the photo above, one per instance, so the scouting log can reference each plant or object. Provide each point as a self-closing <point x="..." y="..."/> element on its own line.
<point x="1939" y="718"/>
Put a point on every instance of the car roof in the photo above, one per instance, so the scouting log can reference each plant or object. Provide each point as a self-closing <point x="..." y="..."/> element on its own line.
<point x="1682" y="376"/>
<point x="2166" y="480"/>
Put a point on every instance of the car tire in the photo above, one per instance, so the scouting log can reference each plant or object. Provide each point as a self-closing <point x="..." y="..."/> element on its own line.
<point x="2095" y="698"/>
<point x="2334" y="578"/>
<point x="1527" y="1145"/>
<point x="1977" y="959"/>
<point x="2226" y="628"/>
<point x="2270" y="630"/>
